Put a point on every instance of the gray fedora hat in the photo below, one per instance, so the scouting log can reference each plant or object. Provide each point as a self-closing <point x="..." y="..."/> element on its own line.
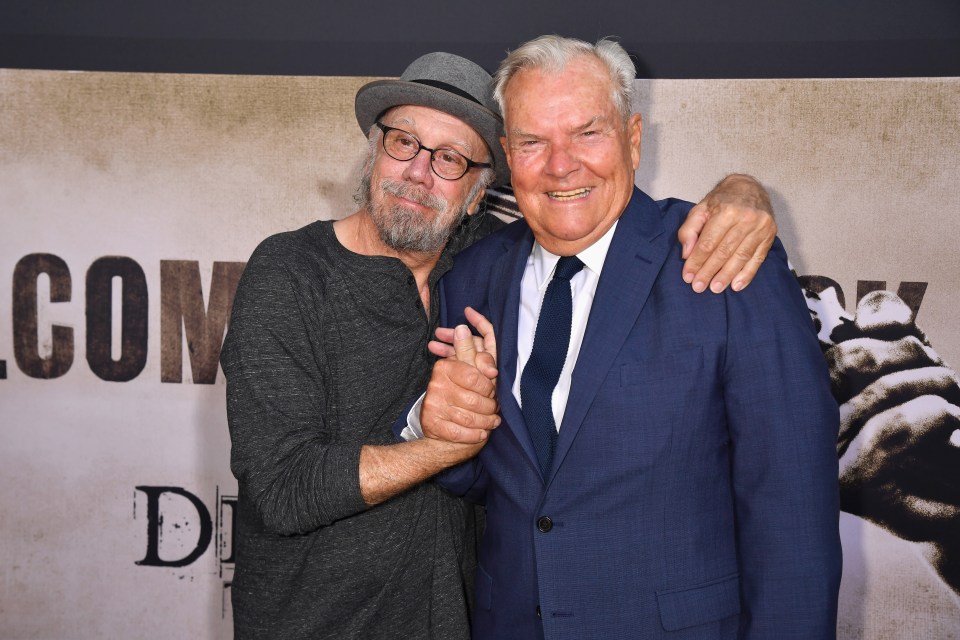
<point x="447" y="83"/>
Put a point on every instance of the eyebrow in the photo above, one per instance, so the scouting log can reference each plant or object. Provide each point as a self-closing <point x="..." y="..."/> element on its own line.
<point x="522" y="134"/>
<point x="592" y="122"/>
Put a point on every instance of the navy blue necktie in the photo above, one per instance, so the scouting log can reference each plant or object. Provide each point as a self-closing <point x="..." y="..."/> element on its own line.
<point x="542" y="371"/>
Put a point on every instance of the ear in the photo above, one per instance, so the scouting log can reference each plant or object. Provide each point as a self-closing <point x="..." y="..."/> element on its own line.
<point x="474" y="205"/>
<point x="635" y="132"/>
<point x="506" y="151"/>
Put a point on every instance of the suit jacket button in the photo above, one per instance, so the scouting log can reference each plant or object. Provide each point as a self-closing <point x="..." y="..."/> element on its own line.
<point x="544" y="524"/>
<point x="538" y="611"/>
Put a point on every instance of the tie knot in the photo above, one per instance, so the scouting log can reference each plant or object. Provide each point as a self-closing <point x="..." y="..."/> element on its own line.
<point x="567" y="267"/>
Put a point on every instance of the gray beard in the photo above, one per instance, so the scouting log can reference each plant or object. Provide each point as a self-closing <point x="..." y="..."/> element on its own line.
<point x="404" y="229"/>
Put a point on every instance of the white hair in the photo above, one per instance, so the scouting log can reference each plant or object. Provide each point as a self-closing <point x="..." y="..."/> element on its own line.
<point x="552" y="54"/>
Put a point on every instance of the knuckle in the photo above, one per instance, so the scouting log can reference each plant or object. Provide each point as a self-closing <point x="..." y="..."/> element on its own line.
<point x="706" y="244"/>
<point x="456" y="433"/>
<point x="429" y="400"/>
<point x="434" y="390"/>
<point x="729" y="215"/>
<point x="460" y="417"/>
<point x="469" y="376"/>
<point x="769" y="225"/>
<point x="724" y="250"/>
<point x="696" y="219"/>
<point x="471" y="401"/>
<point x="750" y="217"/>
<point x="744" y="254"/>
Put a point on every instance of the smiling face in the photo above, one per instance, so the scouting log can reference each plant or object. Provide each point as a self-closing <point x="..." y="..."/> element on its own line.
<point x="571" y="156"/>
<point x="412" y="208"/>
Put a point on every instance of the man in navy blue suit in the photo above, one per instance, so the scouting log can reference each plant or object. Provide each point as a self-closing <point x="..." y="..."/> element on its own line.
<point x="687" y="484"/>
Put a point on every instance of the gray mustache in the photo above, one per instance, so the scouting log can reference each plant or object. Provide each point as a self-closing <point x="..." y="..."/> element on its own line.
<point x="408" y="191"/>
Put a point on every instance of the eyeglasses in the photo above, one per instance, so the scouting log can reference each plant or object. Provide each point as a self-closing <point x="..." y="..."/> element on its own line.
<point x="446" y="163"/>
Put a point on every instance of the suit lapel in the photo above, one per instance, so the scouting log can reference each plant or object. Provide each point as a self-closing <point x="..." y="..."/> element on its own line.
<point x="504" y="295"/>
<point x="636" y="255"/>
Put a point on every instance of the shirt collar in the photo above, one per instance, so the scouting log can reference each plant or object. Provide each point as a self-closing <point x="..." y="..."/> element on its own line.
<point x="592" y="257"/>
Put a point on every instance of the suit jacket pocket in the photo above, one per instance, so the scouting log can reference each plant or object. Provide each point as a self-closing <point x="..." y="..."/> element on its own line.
<point x="657" y="366"/>
<point x="690" y="606"/>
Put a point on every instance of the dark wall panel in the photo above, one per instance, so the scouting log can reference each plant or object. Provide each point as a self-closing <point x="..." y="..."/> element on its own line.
<point x="678" y="39"/>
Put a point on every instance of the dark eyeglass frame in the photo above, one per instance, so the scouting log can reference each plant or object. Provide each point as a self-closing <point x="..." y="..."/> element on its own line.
<point x="470" y="163"/>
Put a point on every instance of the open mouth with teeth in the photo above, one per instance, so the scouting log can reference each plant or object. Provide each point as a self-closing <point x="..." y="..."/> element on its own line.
<point x="569" y="195"/>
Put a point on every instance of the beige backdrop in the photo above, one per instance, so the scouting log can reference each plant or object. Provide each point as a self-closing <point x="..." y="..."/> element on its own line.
<point x="175" y="173"/>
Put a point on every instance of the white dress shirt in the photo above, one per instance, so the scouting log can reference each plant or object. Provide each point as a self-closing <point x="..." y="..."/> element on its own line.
<point x="583" y="286"/>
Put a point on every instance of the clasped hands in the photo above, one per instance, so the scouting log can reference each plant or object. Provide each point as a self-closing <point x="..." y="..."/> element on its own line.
<point x="899" y="455"/>
<point x="899" y="441"/>
<point x="460" y="405"/>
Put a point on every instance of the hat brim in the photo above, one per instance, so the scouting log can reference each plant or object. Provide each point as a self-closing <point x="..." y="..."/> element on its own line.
<point x="376" y="97"/>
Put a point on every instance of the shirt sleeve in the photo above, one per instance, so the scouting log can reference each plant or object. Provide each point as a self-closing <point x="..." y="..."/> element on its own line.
<point x="288" y="460"/>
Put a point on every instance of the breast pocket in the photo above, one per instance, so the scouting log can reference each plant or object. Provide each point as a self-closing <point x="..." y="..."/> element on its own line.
<point x="641" y="402"/>
<point x="663" y="366"/>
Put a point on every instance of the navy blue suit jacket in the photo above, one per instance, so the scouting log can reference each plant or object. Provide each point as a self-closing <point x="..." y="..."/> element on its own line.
<point x="693" y="492"/>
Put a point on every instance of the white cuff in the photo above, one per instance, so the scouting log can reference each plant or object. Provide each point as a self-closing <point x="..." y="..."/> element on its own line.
<point x="413" y="430"/>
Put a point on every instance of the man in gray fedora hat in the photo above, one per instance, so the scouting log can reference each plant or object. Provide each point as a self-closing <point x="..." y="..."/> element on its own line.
<point x="337" y="534"/>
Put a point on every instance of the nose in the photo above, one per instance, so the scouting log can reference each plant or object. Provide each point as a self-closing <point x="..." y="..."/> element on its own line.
<point x="418" y="169"/>
<point x="562" y="161"/>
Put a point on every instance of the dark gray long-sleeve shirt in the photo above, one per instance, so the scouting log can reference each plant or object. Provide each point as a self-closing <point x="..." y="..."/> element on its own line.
<point x="324" y="351"/>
